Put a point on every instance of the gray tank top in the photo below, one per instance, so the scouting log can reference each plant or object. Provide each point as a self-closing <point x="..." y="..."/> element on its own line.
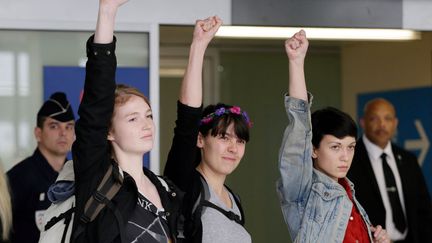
<point x="217" y="227"/>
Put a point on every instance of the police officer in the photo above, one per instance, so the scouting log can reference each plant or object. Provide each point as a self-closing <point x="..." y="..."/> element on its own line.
<point x="31" y="178"/>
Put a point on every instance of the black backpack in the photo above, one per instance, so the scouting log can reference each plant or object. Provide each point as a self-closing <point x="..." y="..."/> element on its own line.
<point x="59" y="216"/>
<point x="193" y="226"/>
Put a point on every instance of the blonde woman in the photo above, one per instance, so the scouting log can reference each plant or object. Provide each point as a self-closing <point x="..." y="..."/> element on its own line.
<point x="5" y="208"/>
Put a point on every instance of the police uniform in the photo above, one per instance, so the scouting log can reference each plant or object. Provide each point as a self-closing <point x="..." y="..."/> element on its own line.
<point x="30" y="179"/>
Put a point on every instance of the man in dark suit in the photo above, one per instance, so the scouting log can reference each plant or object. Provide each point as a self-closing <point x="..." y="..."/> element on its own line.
<point x="388" y="181"/>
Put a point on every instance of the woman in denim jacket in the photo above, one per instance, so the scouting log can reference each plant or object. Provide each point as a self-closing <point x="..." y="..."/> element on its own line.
<point x="318" y="201"/>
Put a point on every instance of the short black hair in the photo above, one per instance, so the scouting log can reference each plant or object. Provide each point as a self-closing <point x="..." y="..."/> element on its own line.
<point x="331" y="121"/>
<point x="219" y="124"/>
<point x="40" y="120"/>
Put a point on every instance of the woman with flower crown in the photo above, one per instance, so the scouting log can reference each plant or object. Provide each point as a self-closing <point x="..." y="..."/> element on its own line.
<point x="207" y="147"/>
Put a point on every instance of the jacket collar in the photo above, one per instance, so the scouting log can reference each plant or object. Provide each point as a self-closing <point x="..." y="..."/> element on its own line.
<point x="43" y="165"/>
<point x="319" y="177"/>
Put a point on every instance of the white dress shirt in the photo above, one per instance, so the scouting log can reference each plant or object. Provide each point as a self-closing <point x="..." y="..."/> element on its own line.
<point x="374" y="153"/>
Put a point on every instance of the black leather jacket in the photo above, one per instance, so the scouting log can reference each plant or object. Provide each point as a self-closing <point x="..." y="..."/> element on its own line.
<point x="91" y="152"/>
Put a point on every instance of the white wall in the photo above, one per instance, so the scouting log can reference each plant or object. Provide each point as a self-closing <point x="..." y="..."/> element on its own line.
<point x="417" y="14"/>
<point x="36" y="14"/>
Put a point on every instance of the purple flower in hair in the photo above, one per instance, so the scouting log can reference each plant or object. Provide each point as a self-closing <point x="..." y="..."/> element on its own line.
<point x="246" y="118"/>
<point x="220" y="111"/>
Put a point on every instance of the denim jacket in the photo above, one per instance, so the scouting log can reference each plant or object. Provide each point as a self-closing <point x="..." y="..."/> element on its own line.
<point x="315" y="207"/>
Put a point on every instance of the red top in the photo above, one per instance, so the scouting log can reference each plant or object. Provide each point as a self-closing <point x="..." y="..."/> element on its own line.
<point x="356" y="229"/>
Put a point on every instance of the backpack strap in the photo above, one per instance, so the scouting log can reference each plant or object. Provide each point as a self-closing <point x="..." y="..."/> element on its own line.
<point x="193" y="225"/>
<point x="238" y="202"/>
<point x="203" y="196"/>
<point x="232" y="216"/>
<point x="65" y="215"/>
<point x="67" y="222"/>
<point x="203" y="201"/>
<point x="106" y="190"/>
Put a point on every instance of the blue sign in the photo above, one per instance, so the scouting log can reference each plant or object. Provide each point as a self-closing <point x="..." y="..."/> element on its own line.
<point x="414" y="112"/>
<point x="71" y="81"/>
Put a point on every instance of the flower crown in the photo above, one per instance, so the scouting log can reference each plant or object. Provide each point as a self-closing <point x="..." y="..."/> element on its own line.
<point x="222" y="110"/>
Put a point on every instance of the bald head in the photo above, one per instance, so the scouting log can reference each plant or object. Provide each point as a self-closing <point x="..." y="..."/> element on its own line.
<point x="377" y="104"/>
<point x="379" y="121"/>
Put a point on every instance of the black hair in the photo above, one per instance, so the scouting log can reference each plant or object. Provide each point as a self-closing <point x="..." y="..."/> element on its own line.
<point x="331" y="121"/>
<point x="219" y="124"/>
<point x="40" y="120"/>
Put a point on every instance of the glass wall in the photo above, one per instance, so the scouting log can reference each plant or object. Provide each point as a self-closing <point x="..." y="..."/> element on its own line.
<point x="23" y="54"/>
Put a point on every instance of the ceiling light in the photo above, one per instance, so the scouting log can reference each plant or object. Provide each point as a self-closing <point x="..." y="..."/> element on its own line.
<point x="171" y="72"/>
<point x="253" y="32"/>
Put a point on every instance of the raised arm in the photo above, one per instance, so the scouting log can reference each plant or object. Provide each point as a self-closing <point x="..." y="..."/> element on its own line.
<point x="106" y="20"/>
<point x="96" y="108"/>
<point x="295" y="155"/>
<point x="191" y="87"/>
<point x="183" y="154"/>
<point x="296" y="48"/>
<point x="90" y="149"/>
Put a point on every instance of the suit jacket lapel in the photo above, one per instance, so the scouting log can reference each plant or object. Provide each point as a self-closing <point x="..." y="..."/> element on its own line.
<point x="369" y="173"/>
<point x="403" y="172"/>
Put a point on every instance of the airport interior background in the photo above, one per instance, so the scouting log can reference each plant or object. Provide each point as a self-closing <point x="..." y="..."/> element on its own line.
<point x="254" y="75"/>
<point x="251" y="73"/>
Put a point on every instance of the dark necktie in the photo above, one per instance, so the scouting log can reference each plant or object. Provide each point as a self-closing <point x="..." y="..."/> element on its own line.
<point x="398" y="216"/>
